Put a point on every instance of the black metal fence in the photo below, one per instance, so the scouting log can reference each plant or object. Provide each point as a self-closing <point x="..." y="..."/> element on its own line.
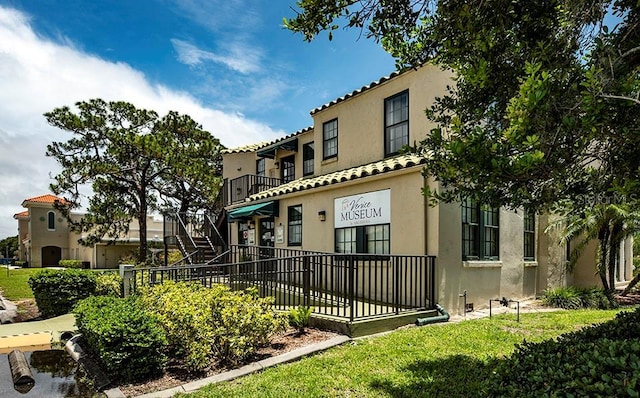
<point x="348" y="286"/>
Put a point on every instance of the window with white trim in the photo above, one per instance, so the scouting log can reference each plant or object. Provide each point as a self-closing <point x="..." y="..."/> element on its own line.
<point x="51" y="221"/>
<point x="529" y="235"/>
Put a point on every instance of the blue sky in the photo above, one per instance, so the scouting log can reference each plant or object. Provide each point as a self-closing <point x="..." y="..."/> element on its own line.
<point x="229" y="64"/>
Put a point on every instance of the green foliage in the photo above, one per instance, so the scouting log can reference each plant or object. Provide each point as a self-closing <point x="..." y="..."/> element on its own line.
<point x="598" y="361"/>
<point x="109" y="284"/>
<point x="541" y="90"/>
<point x="299" y="317"/>
<point x="9" y="246"/>
<point x="57" y="291"/>
<point x="242" y="322"/>
<point x="183" y="310"/>
<point x="128" y="339"/>
<point x="130" y="157"/>
<point x="448" y="360"/>
<point x="573" y="298"/>
<point x="203" y="324"/>
<point x="70" y="263"/>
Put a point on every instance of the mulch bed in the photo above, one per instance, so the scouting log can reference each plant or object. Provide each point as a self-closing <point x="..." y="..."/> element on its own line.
<point x="177" y="375"/>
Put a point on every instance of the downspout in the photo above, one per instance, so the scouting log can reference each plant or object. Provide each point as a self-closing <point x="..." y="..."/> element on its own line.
<point x="443" y="317"/>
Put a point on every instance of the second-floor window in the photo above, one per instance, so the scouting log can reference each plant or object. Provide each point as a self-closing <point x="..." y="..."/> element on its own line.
<point x="51" y="221"/>
<point x="529" y="235"/>
<point x="480" y="231"/>
<point x="307" y="158"/>
<point x="288" y="166"/>
<point x="260" y="167"/>
<point x="330" y="139"/>
<point x="396" y="123"/>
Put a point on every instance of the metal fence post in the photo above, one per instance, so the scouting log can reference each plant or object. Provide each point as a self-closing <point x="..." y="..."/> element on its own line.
<point x="351" y="284"/>
<point x="306" y="273"/>
<point x="128" y="275"/>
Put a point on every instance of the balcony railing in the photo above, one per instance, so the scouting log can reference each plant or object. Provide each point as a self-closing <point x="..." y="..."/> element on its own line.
<point x="238" y="189"/>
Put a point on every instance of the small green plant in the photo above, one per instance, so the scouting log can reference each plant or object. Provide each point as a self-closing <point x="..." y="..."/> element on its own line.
<point x="70" y="263"/>
<point x="299" y="317"/>
<point x="573" y="298"/>
<point x="128" y="339"/>
<point x="57" y="291"/>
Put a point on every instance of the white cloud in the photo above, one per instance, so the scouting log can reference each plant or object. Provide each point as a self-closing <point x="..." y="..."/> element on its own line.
<point x="240" y="57"/>
<point x="38" y="74"/>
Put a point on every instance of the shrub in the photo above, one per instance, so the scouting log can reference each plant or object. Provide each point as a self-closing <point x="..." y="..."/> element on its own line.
<point x="129" y="341"/>
<point x="299" y="317"/>
<point x="57" y="291"/>
<point x="601" y="360"/>
<point x="243" y="322"/>
<point x="207" y="323"/>
<point x="109" y="284"/>
<point x="572" y="298"/>
<point x="70" y="263"/>
<point x="183" y="309"/>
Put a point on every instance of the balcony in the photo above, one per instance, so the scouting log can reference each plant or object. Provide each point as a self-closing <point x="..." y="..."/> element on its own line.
<point x="238" y="189"/>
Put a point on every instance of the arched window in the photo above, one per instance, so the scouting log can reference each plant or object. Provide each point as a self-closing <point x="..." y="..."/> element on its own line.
<point x="51" y="221"/>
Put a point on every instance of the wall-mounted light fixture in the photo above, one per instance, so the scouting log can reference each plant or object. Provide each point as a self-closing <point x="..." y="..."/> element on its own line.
<point x="322" y="215"/>
<point x="277" y="164"/>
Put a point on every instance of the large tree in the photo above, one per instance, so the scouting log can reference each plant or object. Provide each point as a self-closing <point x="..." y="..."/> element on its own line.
<point x="130" y="158"/>
<point x="545" y="105"/>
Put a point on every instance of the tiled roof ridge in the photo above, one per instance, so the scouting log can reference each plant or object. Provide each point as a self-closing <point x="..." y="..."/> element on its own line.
<point x="362" y="89"/>
<point x="264" y="144"/>
<point x="382" y="166"/>
<point x="46" y="198"/>
<point x="21" y="214"/>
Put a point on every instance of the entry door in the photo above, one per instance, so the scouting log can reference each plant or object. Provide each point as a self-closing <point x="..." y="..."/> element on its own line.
<point x="267" y="228"/>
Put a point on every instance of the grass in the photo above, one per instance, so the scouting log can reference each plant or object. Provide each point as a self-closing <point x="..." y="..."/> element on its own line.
<point x="15" y="286"/>
<point x="445" y="360"/>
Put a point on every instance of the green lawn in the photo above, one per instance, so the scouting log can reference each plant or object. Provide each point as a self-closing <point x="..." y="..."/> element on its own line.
<point x="14" y="286"/>
<point x="445" y="360"/>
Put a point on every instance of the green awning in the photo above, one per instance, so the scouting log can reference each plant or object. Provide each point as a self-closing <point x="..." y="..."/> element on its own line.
<point x="259" y="209"/>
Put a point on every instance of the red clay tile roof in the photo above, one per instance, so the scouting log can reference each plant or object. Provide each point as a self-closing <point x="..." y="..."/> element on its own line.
<point x="48" y="198"/>
<point x="23" y="214"/>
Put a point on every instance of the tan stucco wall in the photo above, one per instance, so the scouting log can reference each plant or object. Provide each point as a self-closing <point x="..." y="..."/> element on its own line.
<point x="361" y="117"/>
<point x="407" y="230"/>
<point x="509" y="277"/>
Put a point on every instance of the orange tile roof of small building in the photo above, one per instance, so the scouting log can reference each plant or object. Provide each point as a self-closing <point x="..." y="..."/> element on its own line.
<point x="23" y="214"/>
<point x="46" y="199"/>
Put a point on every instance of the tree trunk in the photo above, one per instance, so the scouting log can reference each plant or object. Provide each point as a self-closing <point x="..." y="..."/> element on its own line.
<point x="631" y="285"/>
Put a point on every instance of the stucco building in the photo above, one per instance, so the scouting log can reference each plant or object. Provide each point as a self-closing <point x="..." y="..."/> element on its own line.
<point x="344" y="185"/>
<point x="44" y="237"/>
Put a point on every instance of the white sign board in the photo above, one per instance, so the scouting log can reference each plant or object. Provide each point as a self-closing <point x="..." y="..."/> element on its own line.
<point x="364" y="209"/>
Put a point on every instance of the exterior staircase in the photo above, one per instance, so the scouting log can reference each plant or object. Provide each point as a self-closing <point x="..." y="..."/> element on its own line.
<point x="197" y="236"/>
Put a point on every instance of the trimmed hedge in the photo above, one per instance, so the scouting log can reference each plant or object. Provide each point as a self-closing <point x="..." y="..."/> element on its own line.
<point x="598" y="361"/>
<point x="70" y="263"/>
<point x="128" y="339"/>
<point x="57" y="291"/>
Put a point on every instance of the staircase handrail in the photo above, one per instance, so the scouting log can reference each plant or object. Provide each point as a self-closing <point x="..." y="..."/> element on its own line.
<point x="193" y="243"/>
<point x="225" y="246"/>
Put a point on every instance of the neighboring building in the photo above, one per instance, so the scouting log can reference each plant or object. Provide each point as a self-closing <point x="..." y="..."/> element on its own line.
<point x="344" y="185"/>
<point x="45" y="239"/>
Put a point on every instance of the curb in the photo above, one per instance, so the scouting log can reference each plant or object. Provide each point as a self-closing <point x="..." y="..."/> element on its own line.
<point x="243" y="371"/>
